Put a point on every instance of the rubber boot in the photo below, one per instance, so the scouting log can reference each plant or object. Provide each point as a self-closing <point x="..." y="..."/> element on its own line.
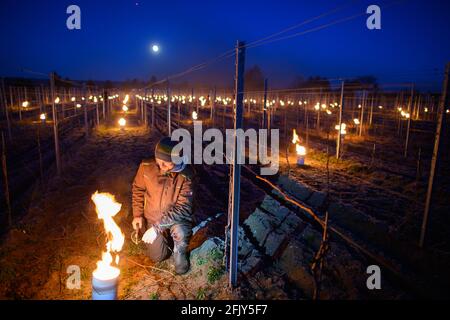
<point x="181" y="259"/>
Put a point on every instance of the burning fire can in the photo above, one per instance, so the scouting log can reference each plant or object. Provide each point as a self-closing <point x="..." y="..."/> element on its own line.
<point x="301" y="153"/>
<point x="300" y="160"/>
<point x="104" y="289"/>
<point x="299" y="149"/>
<point x="106" y="276"/>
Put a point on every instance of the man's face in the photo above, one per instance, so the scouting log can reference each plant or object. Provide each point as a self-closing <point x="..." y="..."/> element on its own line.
<point x="164" y="166"/>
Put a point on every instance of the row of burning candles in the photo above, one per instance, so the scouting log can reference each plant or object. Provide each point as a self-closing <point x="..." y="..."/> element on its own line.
<point x="224" y="100"/>
<point x="57" y="100"/>
<point x="95" y="99"/>
<point x="183" y="99"/>
<point x="227" y="100"/>
<point x="122" y="121"/>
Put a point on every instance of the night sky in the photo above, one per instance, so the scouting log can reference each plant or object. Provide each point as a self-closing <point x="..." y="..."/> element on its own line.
<point x="115" y="38"/>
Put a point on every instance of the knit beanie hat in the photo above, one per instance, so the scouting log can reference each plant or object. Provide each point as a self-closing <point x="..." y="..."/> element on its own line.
<point x="164" y="148"/>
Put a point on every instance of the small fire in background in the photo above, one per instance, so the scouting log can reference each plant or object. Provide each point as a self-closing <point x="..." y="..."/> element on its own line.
<point x="105" y="276"/>
<point x="25" y="104"/>
<point x="299" y="149"/>
<point x="405" y="114"/>
<point x="194" y="115"/>
<point x="202" y="101"/>
<point x="122" y="122"/>
<point x="125" y="108"/>
<point x="343" y="128"/>
<point x="125" y="101"/>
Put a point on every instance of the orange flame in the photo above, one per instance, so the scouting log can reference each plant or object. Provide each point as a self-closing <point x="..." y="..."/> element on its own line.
<point x="295" y="138"/>
<point x="301" y="150"/>
<point x="107" y="207"/>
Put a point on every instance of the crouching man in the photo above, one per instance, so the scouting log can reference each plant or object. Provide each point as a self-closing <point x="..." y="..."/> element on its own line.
<point x="162" y="198"/>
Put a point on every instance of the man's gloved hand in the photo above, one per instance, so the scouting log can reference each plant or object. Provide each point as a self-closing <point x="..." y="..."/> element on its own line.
<point x="150" y="235"/>
<point x="137" y="223"/>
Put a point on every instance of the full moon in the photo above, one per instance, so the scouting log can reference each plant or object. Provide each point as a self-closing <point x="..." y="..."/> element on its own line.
<point x="155" y="48"/>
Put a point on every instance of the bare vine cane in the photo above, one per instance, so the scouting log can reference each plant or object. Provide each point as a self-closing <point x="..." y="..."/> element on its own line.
<point x="318" y="260"/>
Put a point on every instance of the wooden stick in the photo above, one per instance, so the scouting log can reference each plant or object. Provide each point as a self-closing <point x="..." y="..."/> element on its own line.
<point x="5" y="175"/>
<point x="41" y="170"/>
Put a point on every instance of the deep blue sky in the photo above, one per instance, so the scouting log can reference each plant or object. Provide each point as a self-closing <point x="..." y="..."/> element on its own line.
<point x="115" y="39"/>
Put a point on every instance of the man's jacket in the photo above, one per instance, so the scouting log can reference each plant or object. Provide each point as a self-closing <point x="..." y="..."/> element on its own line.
<point x="163" y="199"/>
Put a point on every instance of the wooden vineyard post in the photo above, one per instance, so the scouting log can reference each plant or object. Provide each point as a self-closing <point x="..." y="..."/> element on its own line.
<point x="361" y="121"/>
<point x="105" y="97"/>
<point x="235" y="178"/>
<point x="5" y="178"/>
<point x="153" y="114"/>
<point x="434" y="159"/>
<point x="339" y="135"/>
<point x="213" y="104"/>
<point x="5" y="104"/>
<point x="97" y="112"/>
<point x="169" y="107"/>
<point x="264" y="117"/>
<point x="86" y="119"/>
<point x="41" y="169"/>
<point x="144" y="111"/>
<point x="55" y="123"/>
<point x="409" y="121"/>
